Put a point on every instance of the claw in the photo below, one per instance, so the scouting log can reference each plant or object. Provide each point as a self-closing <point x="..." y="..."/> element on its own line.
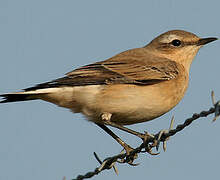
<point x="146" y="135"/>
<point x="133" y="164"/>
<point x="131" y="159"/>
<point x="148" y="149"/>
<point x="153" y="154"/>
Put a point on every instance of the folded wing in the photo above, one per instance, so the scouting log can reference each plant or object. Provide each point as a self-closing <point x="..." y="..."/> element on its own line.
<point x="120" y="69"/>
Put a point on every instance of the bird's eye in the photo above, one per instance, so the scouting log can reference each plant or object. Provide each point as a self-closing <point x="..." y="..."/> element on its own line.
<point x="176" y="42"/>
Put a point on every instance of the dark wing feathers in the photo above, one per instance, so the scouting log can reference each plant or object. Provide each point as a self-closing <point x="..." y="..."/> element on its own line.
<point x="118" y="70"/>
<point x="93" y="74"/>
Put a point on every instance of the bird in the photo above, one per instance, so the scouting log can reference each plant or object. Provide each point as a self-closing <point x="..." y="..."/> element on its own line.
<point x="134" y="86"/>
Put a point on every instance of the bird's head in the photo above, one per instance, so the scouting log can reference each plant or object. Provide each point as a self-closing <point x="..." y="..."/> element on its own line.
<point x="178" y="45"/>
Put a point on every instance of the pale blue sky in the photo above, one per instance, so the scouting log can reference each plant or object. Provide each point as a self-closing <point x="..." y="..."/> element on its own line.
<point x="41" y="40"/>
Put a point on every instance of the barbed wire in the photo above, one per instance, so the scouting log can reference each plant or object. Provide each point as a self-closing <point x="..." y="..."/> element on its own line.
<point x="150" y="142"/>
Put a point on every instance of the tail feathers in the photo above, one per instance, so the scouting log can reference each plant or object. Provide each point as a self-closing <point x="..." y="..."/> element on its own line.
<point x="13" y="97"/>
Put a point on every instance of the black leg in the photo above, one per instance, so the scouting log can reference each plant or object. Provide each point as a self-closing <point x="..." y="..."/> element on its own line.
<point x="140" y="135"/>
<point x="127" y="148"/>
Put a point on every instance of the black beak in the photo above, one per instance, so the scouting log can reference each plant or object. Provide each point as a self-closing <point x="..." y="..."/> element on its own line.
<point x="204" y="41"/>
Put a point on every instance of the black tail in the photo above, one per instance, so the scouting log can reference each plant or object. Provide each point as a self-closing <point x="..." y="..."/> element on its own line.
<point x="17" y="97"/>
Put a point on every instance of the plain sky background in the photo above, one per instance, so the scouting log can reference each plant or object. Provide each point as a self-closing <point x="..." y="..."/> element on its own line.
<point x="41" y="40"/>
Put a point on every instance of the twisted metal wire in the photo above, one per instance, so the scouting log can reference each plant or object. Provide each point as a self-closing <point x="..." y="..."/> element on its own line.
<point x="148" y="144"/>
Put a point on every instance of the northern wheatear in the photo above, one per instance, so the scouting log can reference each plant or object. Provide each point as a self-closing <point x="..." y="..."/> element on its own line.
<point x="134" y="86"/>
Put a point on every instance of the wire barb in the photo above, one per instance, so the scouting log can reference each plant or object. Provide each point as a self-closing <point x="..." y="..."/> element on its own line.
<point x="104" y="163"/>
<point x="216" y="105"/>
<point x="170" y="128"/>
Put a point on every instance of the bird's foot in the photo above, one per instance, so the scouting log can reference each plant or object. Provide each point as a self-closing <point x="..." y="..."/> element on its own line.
<point x="131" y="155"/>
